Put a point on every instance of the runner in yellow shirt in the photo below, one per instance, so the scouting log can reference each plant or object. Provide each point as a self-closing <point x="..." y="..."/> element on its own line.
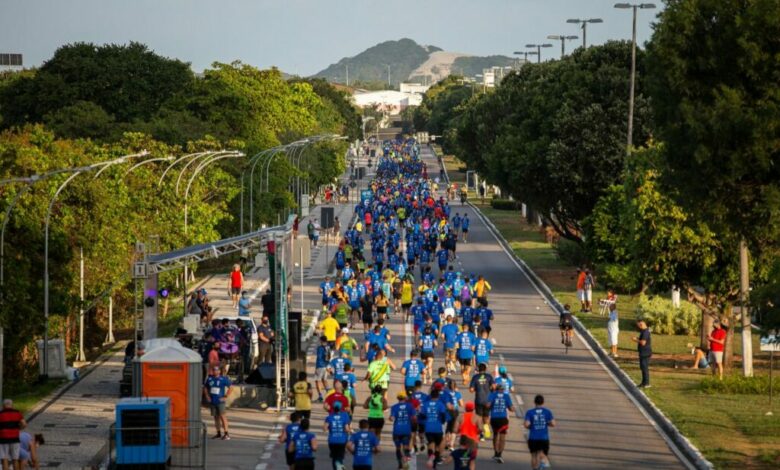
<point x="329" y="328"/>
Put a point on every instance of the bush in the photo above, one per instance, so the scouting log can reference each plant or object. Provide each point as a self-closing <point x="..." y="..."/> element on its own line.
<point x="736" y="384"/>
<point x="504" y="204"/>
<point x="664" y="319"/>
<point x="571" y="252"/>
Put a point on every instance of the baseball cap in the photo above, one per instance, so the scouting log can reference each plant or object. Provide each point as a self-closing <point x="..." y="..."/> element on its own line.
<point x="401" y="395"/>
<point x="470" y="406"/>
<point x="345" y="330"/>
<point x="337" y="405"/>
<point x="502" y="370"/>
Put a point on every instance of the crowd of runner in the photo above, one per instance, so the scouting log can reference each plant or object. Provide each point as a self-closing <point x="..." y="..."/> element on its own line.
<point x="397" y="263"/>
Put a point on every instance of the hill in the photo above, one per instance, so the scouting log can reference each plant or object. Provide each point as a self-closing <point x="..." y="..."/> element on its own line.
<point x="408" y="61"/>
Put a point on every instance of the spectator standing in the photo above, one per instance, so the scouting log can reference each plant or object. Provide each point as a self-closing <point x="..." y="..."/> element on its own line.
<point x="268" y="302"/>
<point x="717" y="341"/>
<point x="581" y="288"/>
<point x="11" y="424"/>
<point x="538" y="420"/>
<point x="645" y="351"/>
<point x="336" y="227"/>
<point x="588" y="288"/>
<point x="216" y="389"/>
<point x="265" y="339"/>
<point x="613" y="329"/>
<point x="235" y="284"/>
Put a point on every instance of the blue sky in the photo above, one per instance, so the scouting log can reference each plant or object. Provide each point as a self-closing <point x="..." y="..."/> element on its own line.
<point x="301" y="36"/>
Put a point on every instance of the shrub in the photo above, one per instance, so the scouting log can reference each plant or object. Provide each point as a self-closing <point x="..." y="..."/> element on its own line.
<point x="571" y="252"/>
<point x="736" y="384"/>
<point x="664" y="319"/>
<point x="504" y="204"/>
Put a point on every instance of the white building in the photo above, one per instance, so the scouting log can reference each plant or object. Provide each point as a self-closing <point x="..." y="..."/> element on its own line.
<point x="493" y="76"/>
<point x="414" y="88"/>
<point x="10" y="62"/>
<point x="387" y="101"/>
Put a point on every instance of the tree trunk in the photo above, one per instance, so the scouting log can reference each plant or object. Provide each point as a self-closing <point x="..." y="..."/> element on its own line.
<point x="727" y="319"/>
<point x="706" y="328"/>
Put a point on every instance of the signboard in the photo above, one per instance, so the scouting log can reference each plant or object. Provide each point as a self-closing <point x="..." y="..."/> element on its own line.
<point x="365" y="195"/>
<point x="770" y="343"/>
<point x="304" y="205"/>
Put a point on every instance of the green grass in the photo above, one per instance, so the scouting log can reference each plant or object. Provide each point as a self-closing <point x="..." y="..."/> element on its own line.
<point x="26" y="395"/>
<point x="731" y="430"/>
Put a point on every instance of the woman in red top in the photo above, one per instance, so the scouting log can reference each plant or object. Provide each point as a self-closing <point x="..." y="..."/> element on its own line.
<point x="235" y="284"/>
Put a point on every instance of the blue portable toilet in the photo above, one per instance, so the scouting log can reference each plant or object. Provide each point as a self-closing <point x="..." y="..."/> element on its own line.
<point x="143" y="432"/>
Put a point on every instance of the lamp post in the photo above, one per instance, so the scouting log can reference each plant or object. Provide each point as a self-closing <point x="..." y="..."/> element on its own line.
<point x="525" y="55"/>
<point x="563" y="40"/>
<point x="634" y="7"/>
<point x="76" y="172"/>
<point x="538" y="48"/>
<point x="206" y="162"/>
<point x="584" y="27"/>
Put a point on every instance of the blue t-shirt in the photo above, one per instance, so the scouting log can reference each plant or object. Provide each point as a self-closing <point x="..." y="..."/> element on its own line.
<point x="413" y="368"/>
<point x="291" y="430"/>
<point x="303" y="448"/>
<point x="442" y="256"/>
<point x="326" y="288"/>
<point x="500" y="402"/>
<point x="465" y="223"/>
<point x="243" y="306"/>
<point x="337" y="434"/>
<point x="539" y="419"/>
<point x="338" y="365"/>
<point x="402" y="414"/>
<point x="462" y="458"/>
<point x="419" y="314"/>
<point x="466" y="340"/>
<point x="364" y="442"/>
<point x="483" y="350"/>
<point x="450" y="332"/>
<point x="427" y="343"/>
<point x="506" y="382"/>
<point x="422" y="399"/>
<point x="452" y="397"/>
<point x="322" y="357"/>
<point x="217" y="388"/>
<point x="485" y="315"/>
<point x="435" y="416"/>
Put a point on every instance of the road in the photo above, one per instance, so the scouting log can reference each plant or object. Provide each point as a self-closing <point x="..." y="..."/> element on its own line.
<point x="598" y="425"/>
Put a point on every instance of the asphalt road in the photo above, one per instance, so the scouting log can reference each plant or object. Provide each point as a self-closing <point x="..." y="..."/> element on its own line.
<point x="598" y="426"/>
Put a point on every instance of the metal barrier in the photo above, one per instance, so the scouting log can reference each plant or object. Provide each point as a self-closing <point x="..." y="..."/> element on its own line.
<point x="144" y="445"/>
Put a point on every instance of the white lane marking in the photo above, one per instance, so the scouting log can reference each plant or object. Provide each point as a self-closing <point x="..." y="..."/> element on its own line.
<point x="672" y="446"/>
<point x="261" y="466"/>
<point x="266" y="456"/>
<point x="519" y="401"/>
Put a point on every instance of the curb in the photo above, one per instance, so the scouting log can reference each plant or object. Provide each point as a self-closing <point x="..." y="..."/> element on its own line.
<point x="680" y="445"/>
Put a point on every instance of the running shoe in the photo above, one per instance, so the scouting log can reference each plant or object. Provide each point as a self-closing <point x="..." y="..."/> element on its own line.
<point x="217" y="436"/>
<point x="430" y="462"/>
<point x="226" y="437"/>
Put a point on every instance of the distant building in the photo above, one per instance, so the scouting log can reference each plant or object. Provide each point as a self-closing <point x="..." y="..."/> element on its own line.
<point x="387" y="101"/>
<point x="10" y="62"/>
<point x="414" y="88"/>
<point x="493" y="76"/>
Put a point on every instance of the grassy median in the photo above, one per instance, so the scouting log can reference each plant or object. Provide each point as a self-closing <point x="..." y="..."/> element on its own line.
<point x="731" y="429"/>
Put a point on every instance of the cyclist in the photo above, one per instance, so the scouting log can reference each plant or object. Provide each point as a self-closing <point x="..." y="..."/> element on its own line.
<point x="566" y="325"/>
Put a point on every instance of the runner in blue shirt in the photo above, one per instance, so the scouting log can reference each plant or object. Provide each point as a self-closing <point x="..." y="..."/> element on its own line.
<point x="464" y="225"/>
<point x="500" y="403"/>
<point x="502" y="377"/>
<point x="418" y="399"/>
<point x="464" y="457"/>
<point x="412" y="370"/>
<point x="321" y="367"/>
<point x="337" y="426"/>
<point x="449" y="336"/>
<point x="304" y="446"/>
<point x="427" y="344"/>
<point x="435" y="413"/>
<point x="453" y="400"/>
<point x="442" y="257"/>
<point x="465" y="346"/>
<point x="538" y="420"/>
<point x="467" y="314"/>
<point x="484" y="315"/>
<point x="215" y="389"/>
<point x="402" y="414"/>
<point x="363" y="445"/>
<point x="483" y="348"/>
<point x="287" y="435"/>
<point x="325" y="287"/>
<point x="418" y="313"/>
<point x="336" y="366"/>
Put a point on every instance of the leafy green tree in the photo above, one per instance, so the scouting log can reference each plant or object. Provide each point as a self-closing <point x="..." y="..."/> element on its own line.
<point x="81" y="119"/>
<point x="127" y="81"/>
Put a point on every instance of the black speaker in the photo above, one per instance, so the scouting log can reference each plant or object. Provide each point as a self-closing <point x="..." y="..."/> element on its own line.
<point x="294" y="336"/>
<point x="361" y="172"/>
<point x="327" y="214"/>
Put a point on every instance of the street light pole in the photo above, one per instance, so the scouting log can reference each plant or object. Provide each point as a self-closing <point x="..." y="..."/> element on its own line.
<point x="563" y="40"/>
<point x="538" y="48"/>
<point x="525" y="55"/>
<point x="584" y="27"/>
<point x="634" y="7"/>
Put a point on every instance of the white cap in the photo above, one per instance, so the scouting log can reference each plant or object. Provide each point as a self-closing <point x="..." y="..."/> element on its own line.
<point x="345" y="330"/>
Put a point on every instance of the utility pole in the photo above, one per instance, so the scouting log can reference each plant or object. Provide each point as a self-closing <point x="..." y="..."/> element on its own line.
<point x="585" y="27"/>
<point x="81" y="356"/>
<point x="388" y="76"/>
<point x="744" y="291"/>
<point x="634" y="7"/>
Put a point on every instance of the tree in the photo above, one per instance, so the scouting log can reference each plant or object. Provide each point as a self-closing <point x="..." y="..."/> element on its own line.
<point x="127" y="81"/>
<point x="713" y="75"/>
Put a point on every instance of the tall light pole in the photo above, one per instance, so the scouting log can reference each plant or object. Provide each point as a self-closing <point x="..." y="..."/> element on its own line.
<point x="525" y="55"/>
<point x="563" y="40"/>
<point x="538" y="48"/>
<point x="584" y="27"/>
<point x="76" y="172"/>
<point x="388" y="75"/>
<point x="634" y="7"/>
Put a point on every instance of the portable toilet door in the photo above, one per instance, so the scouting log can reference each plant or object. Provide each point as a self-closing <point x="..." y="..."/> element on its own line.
<point x="175" y="372"/>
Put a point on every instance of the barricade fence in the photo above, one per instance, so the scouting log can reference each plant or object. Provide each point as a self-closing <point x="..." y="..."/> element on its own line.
<point x="181" y="444"/>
